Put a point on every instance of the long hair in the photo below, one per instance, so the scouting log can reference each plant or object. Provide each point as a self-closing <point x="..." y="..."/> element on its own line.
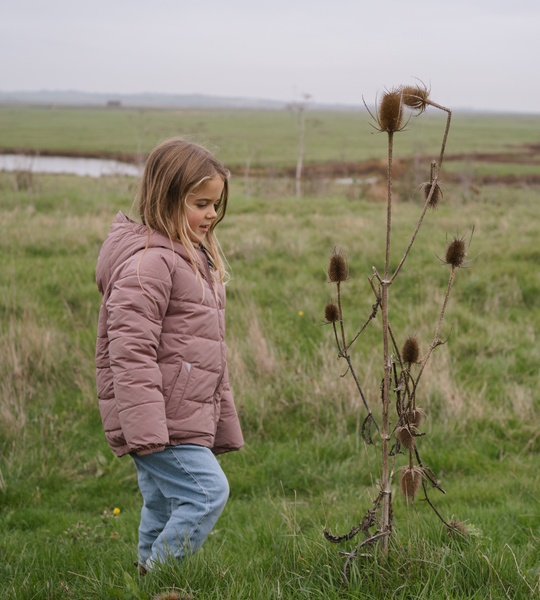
<point x="173" y="171"/>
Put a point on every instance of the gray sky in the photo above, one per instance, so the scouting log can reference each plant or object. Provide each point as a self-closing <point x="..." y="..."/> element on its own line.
<point x="480" y="54"/>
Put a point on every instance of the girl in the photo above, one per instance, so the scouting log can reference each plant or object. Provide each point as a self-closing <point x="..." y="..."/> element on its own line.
<point x="161" y="372"/>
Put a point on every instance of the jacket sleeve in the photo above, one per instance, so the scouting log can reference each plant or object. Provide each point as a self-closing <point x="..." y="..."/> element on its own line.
<point x="136" y="308"/>
<point x="228" y="435"/>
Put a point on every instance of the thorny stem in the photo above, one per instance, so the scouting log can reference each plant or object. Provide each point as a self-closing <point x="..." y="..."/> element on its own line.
<point x="436" y="342"/>
<point x="446" y="130"/>
<point x="377" y="293"/>
<point x="433" y="507"/>
<point x="348" y="359"/>
<point x="337" y="339"/>
<point x="408" y="375"/>
<point x="341" y="315"/>
<point x="389" y="204"/>
<point x="396" y="348"/>
<point x="371" y="316"/>
<point x="352" y="554"/>
<point x="343" y="352"/>
<point x="420" y="464"/>
<point x="394" y="463"/>
<point x="385" y="479"/>
<point x="434" y="183"/>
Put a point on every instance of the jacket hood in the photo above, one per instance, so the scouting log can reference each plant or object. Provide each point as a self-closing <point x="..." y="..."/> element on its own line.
<point x="126" y="238"/>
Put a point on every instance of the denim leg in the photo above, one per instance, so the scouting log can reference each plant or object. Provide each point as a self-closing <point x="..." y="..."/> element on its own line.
<point x="155" y="512"/>
<point x="194" y="491"/>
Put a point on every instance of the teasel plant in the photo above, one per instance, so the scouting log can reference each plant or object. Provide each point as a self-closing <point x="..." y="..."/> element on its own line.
<point x="400" y="381"/>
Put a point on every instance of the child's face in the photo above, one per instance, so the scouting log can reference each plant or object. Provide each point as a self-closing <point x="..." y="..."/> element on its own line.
<point x="201" y="208"/>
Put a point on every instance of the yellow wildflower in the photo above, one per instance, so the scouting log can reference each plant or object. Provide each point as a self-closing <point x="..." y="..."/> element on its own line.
<point x="116" y="511"/>
<point x="301" y="313"/>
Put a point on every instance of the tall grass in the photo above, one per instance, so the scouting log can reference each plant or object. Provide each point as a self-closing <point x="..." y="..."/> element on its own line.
<point x="304" y="466"/>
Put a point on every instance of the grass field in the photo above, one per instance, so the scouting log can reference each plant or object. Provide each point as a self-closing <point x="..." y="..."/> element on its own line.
<point x="269" y="138"/>
<point x="304" y="465"/>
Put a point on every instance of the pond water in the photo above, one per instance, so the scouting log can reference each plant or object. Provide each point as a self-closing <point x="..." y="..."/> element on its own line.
<point x="97" y="167"/>
<point x="90" y="167"/>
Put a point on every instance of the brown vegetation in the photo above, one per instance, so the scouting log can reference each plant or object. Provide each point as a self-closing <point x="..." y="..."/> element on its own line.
<point x="524" y="154"/>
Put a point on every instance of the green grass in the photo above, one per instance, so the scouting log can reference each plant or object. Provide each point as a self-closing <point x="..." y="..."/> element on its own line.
<point x="304" y="466"/>
<point x="269" y="136"/>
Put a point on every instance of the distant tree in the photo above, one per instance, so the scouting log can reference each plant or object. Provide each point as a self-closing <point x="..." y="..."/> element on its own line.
<point x="298" y="110"/>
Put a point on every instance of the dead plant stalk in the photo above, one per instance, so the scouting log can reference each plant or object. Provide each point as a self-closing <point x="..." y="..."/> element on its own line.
<point x="389" y="118"/>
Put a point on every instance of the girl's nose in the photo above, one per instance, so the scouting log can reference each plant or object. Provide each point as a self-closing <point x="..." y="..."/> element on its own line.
<point x="211" y="214"/>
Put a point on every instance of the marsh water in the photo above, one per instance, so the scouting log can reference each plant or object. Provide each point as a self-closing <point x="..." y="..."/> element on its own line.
<point x="89" y="167"/>
<point x="98" y="167"/>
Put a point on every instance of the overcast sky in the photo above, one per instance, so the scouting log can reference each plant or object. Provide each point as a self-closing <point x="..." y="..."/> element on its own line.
<point x="480" y="54"/>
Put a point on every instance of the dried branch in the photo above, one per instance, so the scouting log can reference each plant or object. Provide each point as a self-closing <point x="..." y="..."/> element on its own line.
<point x="436" y="341"/>
<point x="338" y="284"/>
<point x="337" y="339"/>
<point x="367" y="438"/>
<point x="367" y="522"/>
<point x="353" y="553"/>
<point x="426" y="499"/>
<point x="428" y="473"/>
<point x="371" y="316"/>
<point x="433" y="186"/>
<point x="348" y="359"/>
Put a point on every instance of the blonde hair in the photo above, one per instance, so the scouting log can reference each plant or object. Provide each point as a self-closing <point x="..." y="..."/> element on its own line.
<point x="173" y="171"/>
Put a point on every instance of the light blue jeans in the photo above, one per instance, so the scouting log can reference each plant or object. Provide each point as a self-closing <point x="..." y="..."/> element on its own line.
<point x="184" y="492"/>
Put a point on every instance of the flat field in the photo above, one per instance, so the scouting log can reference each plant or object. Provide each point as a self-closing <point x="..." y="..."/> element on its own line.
<point x="304" y="466"/>
<point x="268" y="138"/>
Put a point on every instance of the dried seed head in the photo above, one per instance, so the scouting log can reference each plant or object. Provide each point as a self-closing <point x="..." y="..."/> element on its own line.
<point x="456" y="253"/>
<point x="415" y="417"/>
<point x="410" y="481"/>
<point x="406" y="438"/>
<point x="415" y="97"/>
<point x="411" y="350"/>
<point x="338" y="269"/>
<point x="168" y="596"/>
<point x="457" y="529"/>
<point x="331" y="312"/>
<point x="390" y="113"/>
<point x="437" y="195"/>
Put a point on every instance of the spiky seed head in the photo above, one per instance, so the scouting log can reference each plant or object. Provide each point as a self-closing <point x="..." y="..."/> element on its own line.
<point x="411" y="350"/>
<point x="168" y="596"/>
<point x="415" y="97"/>
<point x="338" y="269"/>
<point x="437" y="195"/>
<point x="331" y="312"/>
<point x="457" y="528"/>
<point x="410" y="481"/>
<point x="456" y="252"/>
<point x="415" y="417"/>
<point x="406" y="438"/>
<point x="390" y="113"/>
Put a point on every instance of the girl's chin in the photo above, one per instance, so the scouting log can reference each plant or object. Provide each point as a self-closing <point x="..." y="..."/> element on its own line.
<point x="197" y="238"/>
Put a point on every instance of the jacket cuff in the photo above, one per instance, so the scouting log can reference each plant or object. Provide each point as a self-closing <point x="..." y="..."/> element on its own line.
<point x="148" y="450"/>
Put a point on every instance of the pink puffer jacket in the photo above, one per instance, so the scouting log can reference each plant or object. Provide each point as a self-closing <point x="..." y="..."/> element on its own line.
<point x="161" y="366"/>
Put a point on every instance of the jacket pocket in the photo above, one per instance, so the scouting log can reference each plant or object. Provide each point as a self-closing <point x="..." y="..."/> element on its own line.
<point x="178" y="389"/>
